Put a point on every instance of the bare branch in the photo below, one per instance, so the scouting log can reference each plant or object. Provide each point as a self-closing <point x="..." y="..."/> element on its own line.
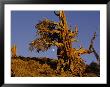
<point x="92" y="49"/>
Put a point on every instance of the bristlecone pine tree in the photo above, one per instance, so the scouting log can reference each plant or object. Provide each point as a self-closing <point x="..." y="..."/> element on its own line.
<point x="58" y="34"/>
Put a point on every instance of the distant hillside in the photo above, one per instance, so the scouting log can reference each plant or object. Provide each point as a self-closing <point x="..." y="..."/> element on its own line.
<point x="44" y="67"/>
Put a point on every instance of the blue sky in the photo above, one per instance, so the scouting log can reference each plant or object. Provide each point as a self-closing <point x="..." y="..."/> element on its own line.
<point x="23" y="30"/>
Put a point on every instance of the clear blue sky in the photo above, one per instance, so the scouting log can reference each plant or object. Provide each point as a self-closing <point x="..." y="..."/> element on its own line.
<point x="23" y="30"/>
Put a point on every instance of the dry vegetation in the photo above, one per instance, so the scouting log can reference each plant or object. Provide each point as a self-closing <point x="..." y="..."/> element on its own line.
<point x="45" y="67"/>
<point x="69" y="62"/>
